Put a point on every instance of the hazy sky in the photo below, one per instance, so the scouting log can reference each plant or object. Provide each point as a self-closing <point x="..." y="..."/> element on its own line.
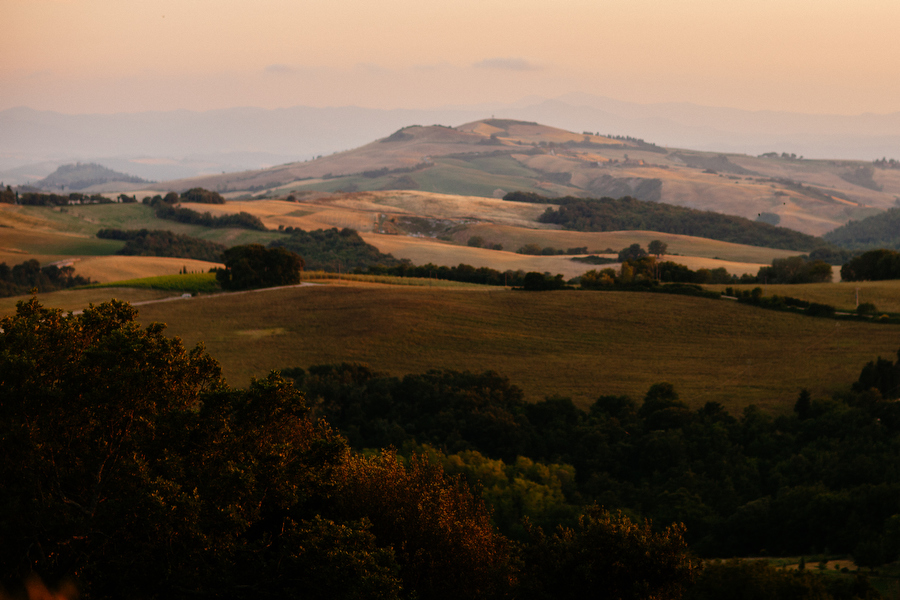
<point x="817" y="56"/>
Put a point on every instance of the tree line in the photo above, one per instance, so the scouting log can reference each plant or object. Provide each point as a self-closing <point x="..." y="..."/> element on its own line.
<point x="333" y="249"/>
<point x="158" y="242"/>
<point x="20" y="279"/>
<point x="242" y="219"/>
<point x="609" y="214"/>
<point x="42" y="199"/>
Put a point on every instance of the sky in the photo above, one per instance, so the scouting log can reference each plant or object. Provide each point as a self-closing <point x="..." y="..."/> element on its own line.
<point x="105" y="56"/>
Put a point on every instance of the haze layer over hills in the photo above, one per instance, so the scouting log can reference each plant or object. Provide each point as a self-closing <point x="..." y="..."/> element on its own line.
<point x="167" y="145"/>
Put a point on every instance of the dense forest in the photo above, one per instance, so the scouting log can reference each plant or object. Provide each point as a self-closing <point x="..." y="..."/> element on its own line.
<point x="22" y="278"/>
<point x="333" y="249"/>
<point x="253" y="266"/>
<point x="158" y="242"/>
<point x="874" y="265"/>
<point x="242" y="219"/>
<point x="878" y="231"/>
<point x="821" y="479"/>
<point x="609" y="214"/>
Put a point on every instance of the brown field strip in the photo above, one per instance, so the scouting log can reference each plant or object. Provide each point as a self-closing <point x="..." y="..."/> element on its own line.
<point x="578" y="344"/>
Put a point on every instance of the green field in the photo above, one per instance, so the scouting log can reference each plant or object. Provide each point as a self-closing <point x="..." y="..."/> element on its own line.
<point x="195" y="283"/>
<point x="578" y="344"/>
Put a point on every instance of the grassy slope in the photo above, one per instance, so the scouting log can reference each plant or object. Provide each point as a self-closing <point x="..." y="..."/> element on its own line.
<point x="885" y="295"/>
<point x="581" y="344"/>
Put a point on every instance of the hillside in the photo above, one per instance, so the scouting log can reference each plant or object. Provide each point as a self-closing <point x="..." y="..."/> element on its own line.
<point x="80" y="176"/>
<point x="578" y="344"/>
<point x="491" y="157"/>
<point x="420" y="226"/>
<point x="878" y="231"/>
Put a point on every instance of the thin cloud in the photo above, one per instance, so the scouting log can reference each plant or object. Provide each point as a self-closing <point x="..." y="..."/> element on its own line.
<point x="506" y="64"/>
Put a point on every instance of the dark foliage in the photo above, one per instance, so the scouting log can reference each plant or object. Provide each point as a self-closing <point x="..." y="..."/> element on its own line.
<point x="128" y="465"/>
<point x="202" y="196"/>
<point x="754" y="484"/>
<point x="464" y="273"/>
<point x="874" y="265"/>
<point x="795" y="269"/>
<point x="540" y="282"/>
<point x="758" y="580"/>
<point x="254" y="266"/>
<point x="878" y="231"/>
<point x="626" y="560"/>
<point x="22" y="278"/>
<point x="7" y="195"/>
<point x="38" y="199"/>
<point x="156" y="242"/>
<point x="882" y="375"/>
<point x="244" y="220"/>
<point x="608" y="214"/>
<point x="333" y="250"/>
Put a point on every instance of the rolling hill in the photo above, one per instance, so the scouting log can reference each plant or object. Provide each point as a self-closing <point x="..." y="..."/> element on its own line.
<point x="491" y="157"/>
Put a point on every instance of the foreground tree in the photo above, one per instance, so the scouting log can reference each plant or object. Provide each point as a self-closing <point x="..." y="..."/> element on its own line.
<point x="129" y="466"/>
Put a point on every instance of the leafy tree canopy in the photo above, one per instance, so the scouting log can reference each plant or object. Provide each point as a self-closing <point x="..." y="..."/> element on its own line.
<point x="255" y="266"/>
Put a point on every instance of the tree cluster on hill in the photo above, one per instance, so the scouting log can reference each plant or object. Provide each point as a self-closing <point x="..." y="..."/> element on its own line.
<point x="874" y="265"/>
<point x="198" y="195"/>
<point x="333" y="249"/>
<point x="537" y="250"/>
<point x="886" y="163"/>
<point x="878" y="231"/>
<point x="157" y="242"/>
<point x="202" y="196"/>
<point x="20" y="279"/>
<point x="82" y="175"/>
<point x="609" y="214"/>
<point x="129" y="465"/>
<point x="646" y="269"/>
<point x="7" y="195"/>
<point x="243" y="220"/>
<point x="795" y="269"/>
<point x="862" y="176"/>
<point x="821" y="477"/>
<point x="476" y="241"/>
<point x="255" y="266"/>
<point x="639" y="266"/>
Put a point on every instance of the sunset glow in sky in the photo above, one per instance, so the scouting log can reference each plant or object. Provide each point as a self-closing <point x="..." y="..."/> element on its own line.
<point x="814" y="56"/>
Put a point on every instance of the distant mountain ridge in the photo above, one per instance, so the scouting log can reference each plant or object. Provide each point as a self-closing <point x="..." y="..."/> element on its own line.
<point x="490" y="157"/>
<point x="80" y="176"/>
<point x="238" y="138"/>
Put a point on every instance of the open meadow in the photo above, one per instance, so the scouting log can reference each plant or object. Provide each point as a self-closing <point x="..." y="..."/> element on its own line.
<point x="578" y="344"/>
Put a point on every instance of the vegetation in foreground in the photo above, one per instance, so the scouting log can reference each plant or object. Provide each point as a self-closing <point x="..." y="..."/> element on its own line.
<point x="129" y="466"/>
<point x="744" y="486"/>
